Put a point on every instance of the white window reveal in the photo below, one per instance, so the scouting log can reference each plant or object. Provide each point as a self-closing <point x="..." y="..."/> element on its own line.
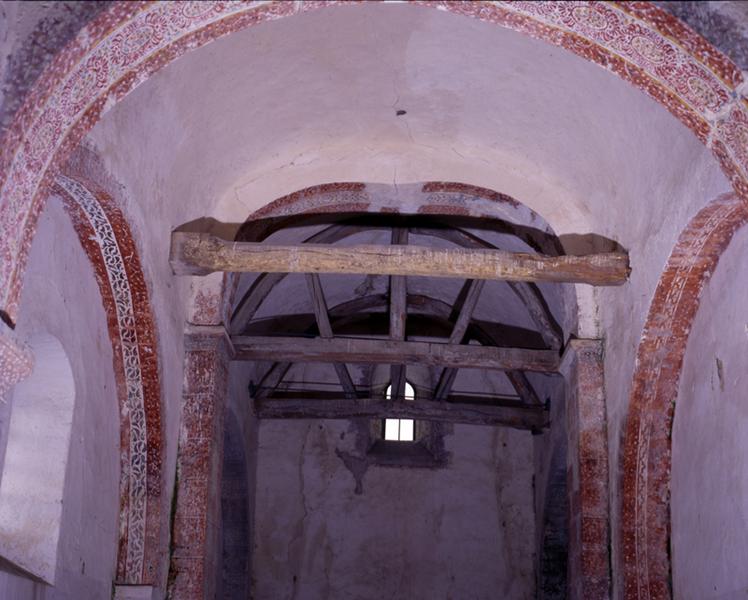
<point x="33" y="477"/>
<point x="400" y="430"/>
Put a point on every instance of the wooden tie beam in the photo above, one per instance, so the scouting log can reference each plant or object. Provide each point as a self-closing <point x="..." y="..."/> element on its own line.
<point x="380" y="351"/>
<point x="530" y="417"/>
<point x="202" y="253"/>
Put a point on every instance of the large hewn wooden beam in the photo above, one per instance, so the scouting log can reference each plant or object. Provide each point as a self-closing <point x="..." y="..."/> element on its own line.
<point x="362" y="351"/>
<point x="520" y="417"/>
<point x="201" y="254"/>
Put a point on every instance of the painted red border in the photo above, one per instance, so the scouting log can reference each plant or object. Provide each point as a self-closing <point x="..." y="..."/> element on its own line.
<point x="647" y="447"/>
<point x="574" y="26"/>
<point x="150" y="379"/>
<point x="724" y="136"/>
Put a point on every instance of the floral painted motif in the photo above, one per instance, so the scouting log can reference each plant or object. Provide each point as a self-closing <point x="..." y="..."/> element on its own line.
<point x="131" y="331"/>
<point x="124" y="56"/>
<point x="124" y="46"/>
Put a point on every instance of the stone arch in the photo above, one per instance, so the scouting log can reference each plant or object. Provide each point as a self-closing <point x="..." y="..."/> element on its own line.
<point x="647" y="444"/>
<point x="124" y="46"/>
<point x="106" y="238"/>
<point x="637" y="41"/>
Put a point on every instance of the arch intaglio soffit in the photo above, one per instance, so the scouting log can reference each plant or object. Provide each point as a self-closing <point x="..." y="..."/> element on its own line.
<point x="124" y="46"/>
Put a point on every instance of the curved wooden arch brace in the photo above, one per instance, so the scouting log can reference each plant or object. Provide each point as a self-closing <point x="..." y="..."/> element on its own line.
<point x="451" y="210"/>
<point x="527" y="292"/>
<point x="132" y="40"/>
<point x="106" y="238"/>
<point x="647" y="443"/>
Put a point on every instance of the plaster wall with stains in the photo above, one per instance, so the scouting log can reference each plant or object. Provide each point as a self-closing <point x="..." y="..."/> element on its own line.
<point x="464" y="530"/>
<point x="61" y="298"/>
<point x="709" y="489"/>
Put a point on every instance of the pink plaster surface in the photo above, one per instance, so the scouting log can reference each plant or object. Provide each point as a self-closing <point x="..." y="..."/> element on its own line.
<point x="709" y="489"/>
<point x="61" y="298"/>
<point x="133" y="40"/>
<point x="124" y="46"/>
<point x="646" y="456"/>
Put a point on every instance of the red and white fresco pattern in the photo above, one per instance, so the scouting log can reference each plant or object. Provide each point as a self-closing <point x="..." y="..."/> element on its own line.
<point x="107" y="254"/>
<point x="16" y="360"/>
<point x="132" y="40"/>
<point x="647" y="445"/>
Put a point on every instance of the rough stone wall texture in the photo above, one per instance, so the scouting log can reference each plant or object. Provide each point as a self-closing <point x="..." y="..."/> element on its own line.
<point x="551" y="499"/>
<point x="233" y="579"/>
<point x="61" y="298"/>
<point x="709" y="488"/>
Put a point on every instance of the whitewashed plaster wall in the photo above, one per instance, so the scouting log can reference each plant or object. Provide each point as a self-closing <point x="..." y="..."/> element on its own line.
<point x="312" y="99"/>
<point x="462" y="531"/>
<point x="60" y="297"/>
<point x="709" y="487"/>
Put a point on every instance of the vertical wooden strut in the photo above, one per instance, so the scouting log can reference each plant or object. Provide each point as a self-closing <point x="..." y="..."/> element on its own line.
<point x="475" y="286"/>
<point x="325" y="330"/>
<point x="398" y="306"/>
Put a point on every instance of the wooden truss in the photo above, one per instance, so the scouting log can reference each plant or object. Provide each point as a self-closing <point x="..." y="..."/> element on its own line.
<point x="473" y="259"/>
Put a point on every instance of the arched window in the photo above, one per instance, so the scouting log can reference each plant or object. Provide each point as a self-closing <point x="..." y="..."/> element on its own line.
<point x="399" y="430"/>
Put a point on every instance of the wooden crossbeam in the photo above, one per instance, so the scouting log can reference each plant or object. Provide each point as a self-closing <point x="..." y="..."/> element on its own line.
<point x="520" y="417"/>
<point x="377" y="351"/>
<point x="202" y="253"/>
<point x="325" y="329"/>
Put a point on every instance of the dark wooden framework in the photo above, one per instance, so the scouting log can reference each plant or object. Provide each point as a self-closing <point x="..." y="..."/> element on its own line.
<point x="475" y="259"/>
